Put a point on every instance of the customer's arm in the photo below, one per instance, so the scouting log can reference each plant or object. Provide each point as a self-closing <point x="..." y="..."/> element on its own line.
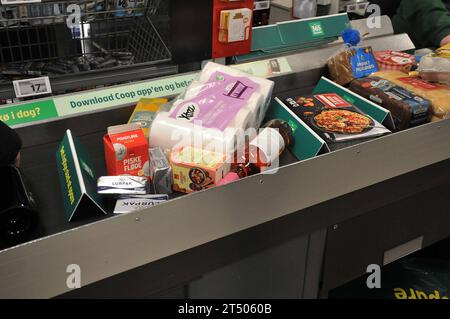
<point x="430" y="20"/>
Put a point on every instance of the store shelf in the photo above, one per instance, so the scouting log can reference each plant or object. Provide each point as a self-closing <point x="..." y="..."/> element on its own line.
<point x="109" y="45"/>
<point x="91" y="80"/>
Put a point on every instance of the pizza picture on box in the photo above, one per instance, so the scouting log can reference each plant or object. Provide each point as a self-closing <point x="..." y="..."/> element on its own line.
<point x="343" y="121"/>
<point x="334" y="118"/>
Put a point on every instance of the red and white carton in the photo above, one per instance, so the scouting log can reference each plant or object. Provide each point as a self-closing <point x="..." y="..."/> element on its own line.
<point x="126" y="151"/>
<point x="394" y="61"/>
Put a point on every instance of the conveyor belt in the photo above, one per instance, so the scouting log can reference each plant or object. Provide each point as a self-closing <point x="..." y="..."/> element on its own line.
<point x="39" y="167"/>
<point x="299" y="202"/>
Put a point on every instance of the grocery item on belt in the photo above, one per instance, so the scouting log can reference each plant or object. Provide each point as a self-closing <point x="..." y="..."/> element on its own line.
<point x="262" y="153"/>
<point x="144" y="113"/>
<point x="213" y="75"/>
<point x="354" y="62"/>
<point x="212" y="109"/>
<point x="126" y="151"/>
<point x="392" y="60"/>
<point x="197" y="169"/>
<point x="434" y="118"/>
<point x="407" y="109"/>
<point x="160" y="172"/>
<point x="437" y="94"/>
<point x="435" y="66"/>
<point x="334" y="119"/>
<point x="129" y="203"/>
<point x="122" y="185"/>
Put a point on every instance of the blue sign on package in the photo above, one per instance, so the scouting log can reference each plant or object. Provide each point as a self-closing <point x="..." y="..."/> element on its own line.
<point x="363" y="63"/>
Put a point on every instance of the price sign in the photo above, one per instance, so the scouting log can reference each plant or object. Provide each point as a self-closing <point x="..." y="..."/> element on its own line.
<point x="262" y="5"/>
<point x="32" y="87"/>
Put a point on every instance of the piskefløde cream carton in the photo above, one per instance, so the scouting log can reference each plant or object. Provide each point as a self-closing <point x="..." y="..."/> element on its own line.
<point x="126" y="151"/>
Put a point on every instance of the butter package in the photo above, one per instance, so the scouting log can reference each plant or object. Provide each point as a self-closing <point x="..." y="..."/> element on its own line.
<point x="160" y="172"/>
<point x="144" y="113"/>
<point x="197" y="169"/>
<point x="407" y="109"/>
<point x="126" y="151"/>
<point x="122" y="185"/>
<point x="126" y="204"/>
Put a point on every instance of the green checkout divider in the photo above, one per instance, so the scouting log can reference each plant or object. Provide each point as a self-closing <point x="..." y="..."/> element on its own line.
<point x="307" y="143"/>
<point x="294" y="35"/>
<point x="77" y="177"/>
<point x="377" y="112"/>
<point x="94" y="100"/>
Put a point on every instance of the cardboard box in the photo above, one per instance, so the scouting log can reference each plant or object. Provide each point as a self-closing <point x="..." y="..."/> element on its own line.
<point x="196" y="169"/>
<point x="126" y="151"/>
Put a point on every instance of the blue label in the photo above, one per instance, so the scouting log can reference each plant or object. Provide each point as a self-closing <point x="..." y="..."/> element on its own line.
<point x="363" y="63"/>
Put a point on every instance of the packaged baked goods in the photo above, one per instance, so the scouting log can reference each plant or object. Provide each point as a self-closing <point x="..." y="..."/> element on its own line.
<point x="407" y="108"/>
<point x="394" y="61"/>
<point x="437" y="94"/>
<point x="435" y="66"/>
<point x="354" y="62"/>
<point x="435" y="118"/>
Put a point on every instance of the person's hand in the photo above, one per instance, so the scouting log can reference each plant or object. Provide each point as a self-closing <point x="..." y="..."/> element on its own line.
<point x="445" y="40"/>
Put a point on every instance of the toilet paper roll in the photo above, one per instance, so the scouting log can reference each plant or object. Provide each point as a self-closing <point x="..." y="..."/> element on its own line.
<point x="256" y="106"/>
<point x="176" y="103"/>
<point x="167" y="133"/>
<point x="198" y="87"/>
<point x="244" y="119"/>
<point x="265" y="86"/>
<point x="259" y="101"/>
<point x="193" y="90"/>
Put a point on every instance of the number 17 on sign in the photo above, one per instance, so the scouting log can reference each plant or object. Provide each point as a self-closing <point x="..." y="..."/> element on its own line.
<point x="32" y="87"/>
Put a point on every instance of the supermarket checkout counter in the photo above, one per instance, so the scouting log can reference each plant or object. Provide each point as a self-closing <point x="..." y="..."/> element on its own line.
<point x="311" y="227"/>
